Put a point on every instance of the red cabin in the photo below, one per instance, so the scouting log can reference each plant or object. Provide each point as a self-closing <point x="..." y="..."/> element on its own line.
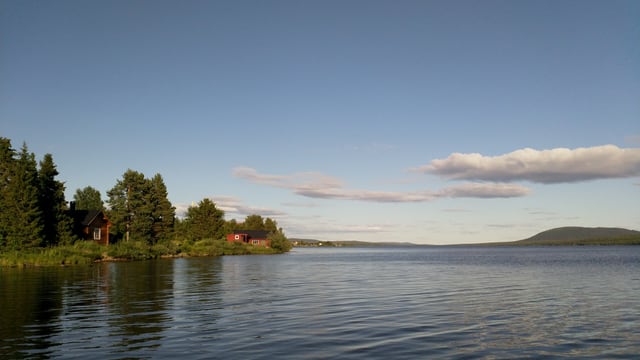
<point x="253" y="237"/>
<point x="91" y="225"/>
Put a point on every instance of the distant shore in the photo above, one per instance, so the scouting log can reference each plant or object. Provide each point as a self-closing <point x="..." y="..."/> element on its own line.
<point x="562" y="236"/>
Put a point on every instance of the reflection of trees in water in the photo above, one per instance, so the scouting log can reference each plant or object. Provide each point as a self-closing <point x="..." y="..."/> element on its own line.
<point x="137" y="299"/>
<point x="197" y="298"/>
<point x="108" y="307"/>
<point x="30" y="302"/>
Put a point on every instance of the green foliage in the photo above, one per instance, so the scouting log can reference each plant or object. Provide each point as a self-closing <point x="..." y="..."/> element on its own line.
<point x="270" y="225"/>
<point x="36" y="230"/>
<point x="230" y="226"/>
<point x="219" y="247"/>
<point x="32" y="201"/>
<point x="253" y="222"/>
<point x="165" y="248"/>
<point x="7" y="163"/>
<point x="88" y="198"/>
<point x="162" y="212"/>
<point x="205" y="221"/>
<point x="78" y="254"/>
<point x="206" y="247"/>
<point x="129" y="250"/>
<point x="140" y="210"/>
<point x="22" y="223"/>
<point x="279" y="242"/>
<point x="57" y="224"/>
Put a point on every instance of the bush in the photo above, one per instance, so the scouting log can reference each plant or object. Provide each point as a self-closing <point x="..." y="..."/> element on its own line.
<point x="234" y="248"/>
<point x="279" y="242"/>
<point x="165" y="248"/>
<point x="129" y="250"/>
<point x="206" y="247"/>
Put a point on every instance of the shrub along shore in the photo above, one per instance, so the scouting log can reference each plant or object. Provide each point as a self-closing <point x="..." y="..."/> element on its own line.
<point x="88" y="252"/>
<point x="39" y="228"/>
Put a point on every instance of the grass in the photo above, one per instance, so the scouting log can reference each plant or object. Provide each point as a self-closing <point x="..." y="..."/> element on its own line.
<point x="87" y="252"/>
<point x="78" y="253"/>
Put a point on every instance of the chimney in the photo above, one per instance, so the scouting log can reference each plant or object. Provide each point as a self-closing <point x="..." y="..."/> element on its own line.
<point x="72" y="206"/>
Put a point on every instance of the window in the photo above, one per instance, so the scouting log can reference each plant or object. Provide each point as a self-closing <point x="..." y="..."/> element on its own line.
<point x="97" y="232"/>
<point x="255" y="242"/>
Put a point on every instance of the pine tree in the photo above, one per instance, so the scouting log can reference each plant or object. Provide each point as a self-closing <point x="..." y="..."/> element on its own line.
<point x="23" y="206"/>
<point x="130" y="212"/>
<point x="205" y="221"/>
<point x="7" y="164"/>
<point x="163" y="212"/>
<point x="140" y="207"/>
<point x="56" y="223"/>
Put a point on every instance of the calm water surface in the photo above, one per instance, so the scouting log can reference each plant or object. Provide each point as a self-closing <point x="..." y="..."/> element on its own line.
<point x="347" y="303"/>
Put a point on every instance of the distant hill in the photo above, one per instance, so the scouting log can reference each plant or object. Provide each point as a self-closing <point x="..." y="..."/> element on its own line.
<point x="575" y="235"/>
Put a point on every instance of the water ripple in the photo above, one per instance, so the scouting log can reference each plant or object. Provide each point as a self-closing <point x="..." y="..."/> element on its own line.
<point x="333" y="303"/>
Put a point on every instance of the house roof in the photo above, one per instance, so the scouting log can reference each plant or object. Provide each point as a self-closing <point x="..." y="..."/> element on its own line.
<point x="85" y="217"/>
<point x="255" y="234"/>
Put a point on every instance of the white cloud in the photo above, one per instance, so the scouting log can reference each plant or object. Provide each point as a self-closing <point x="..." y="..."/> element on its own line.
<point x="300" y="204"/>
<point x="547" y="166"/>
<point x="232" y="205"/>
<point x="484" y="190"/>
<point x="181" y="209"/>
<point x="321" y="228"/>
<point x="317" y="185"/>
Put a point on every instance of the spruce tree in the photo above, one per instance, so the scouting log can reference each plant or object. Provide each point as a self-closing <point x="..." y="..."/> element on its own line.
<point x="57" y="225"/>
<point x="163" y="212"/>
<point x="205" y="221"/>
<point x="140" y="207"/>
<point x="7" y="164"/>
<point x="130" y="211"/>
<point x="23" y="206"/>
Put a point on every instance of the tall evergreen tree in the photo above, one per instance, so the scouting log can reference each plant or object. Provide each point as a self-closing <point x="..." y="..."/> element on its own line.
<point x="205" y="221"/>
<point x="140" y="207"/>
<point x="23" y="205"/>
<point x="130" y="212"/>
<point x="88" y="198"/>
<point x="163" y="212"/>
<point x="57" y="226"/>
<point x="7" y="164"/>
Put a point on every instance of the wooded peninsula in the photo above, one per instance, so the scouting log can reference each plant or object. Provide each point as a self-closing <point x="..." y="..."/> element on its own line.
<point x="38" y="227"/>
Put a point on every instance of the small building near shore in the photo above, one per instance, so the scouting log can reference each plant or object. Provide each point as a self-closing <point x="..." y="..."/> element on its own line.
<point x="91" y="225"/>
<point x="252" y="237"/>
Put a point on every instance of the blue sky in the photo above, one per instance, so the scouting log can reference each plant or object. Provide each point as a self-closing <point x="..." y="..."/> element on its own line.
<point x="433" y="122"/>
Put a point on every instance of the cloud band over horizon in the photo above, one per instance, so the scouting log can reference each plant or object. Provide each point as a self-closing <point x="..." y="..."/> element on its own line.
<point x="317" y="185"/>
<point x="487" y="176"/>
<point x="553" y="166"/>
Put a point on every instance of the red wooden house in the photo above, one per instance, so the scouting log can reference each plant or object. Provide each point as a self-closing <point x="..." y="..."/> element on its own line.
<point x="253" y="237"/>
<point x="91" y="225"/>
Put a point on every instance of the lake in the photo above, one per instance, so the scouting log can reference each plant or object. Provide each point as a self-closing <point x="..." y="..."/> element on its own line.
<point x="321" y="303"/>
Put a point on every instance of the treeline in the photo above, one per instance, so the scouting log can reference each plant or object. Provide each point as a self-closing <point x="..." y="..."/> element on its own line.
<point x="35" y="214"/>
<point x="32" y="203"/>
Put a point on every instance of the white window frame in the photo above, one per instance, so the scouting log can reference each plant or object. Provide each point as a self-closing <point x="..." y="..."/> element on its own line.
<point x="97" y="233"/>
